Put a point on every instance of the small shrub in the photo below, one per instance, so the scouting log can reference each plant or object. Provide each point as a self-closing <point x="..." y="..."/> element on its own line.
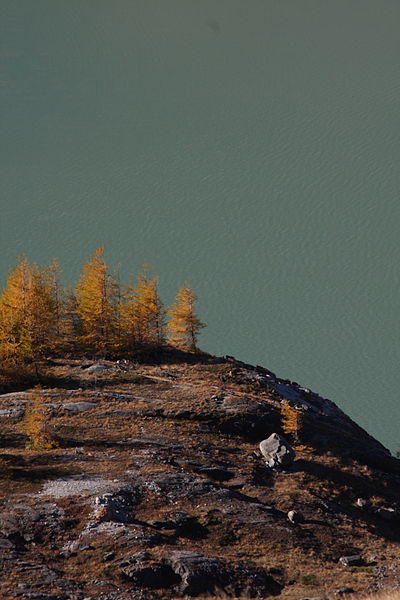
<point x="136" y="378"/>
<point x="226" y="535"/>
<point x="376" y="501"/>
<point x="291" y="420"/>
<point x="36" y="425"/>
<point x="360" y="570"/>
<point x="309" y="579"/>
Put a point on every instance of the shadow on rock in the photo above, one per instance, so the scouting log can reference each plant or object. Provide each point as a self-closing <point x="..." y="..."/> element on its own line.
<point x="193" y="574"/>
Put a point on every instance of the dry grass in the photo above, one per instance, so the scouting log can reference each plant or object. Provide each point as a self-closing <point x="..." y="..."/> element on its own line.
<point x="395" y="595"/>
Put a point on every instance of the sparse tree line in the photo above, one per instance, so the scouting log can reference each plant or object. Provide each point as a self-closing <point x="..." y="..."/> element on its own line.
<point x="38" y="317"/>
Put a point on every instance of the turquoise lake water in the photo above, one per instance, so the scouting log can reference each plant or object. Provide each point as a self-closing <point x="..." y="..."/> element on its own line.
<point x="253" y="147"/>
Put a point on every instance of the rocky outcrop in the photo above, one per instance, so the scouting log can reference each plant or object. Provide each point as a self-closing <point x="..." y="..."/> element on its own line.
<point x="182" y="484"/>
<point x="244" y="416"/>
<point x="116" y="507"/>
<point x="351" y="561"/>
<point x="193" y="574"/>
<point x="322" y="418"/>
<point x="145" y="572"/>
<point x="198" y="574"/>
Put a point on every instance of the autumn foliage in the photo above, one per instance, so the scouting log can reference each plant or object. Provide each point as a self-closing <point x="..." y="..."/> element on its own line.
<point x="100" y="316"/>
<point x="142" y="313"/>
<point x="30" y="312"/>
<point x="36" y="425"/>
<point x="95" y="305"/>
<point x="292" y="422"/>
<point x="184" y="326"/>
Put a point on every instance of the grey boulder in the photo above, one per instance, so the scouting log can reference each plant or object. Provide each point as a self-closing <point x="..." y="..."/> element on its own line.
<point x="78" y="407"/>
<point x="277" y="451"/>
<point x="351" y="561"/>
<point x="98" y="368"/>
<point x="295" y="516"/>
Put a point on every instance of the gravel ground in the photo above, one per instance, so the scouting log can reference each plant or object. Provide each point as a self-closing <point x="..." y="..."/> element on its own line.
<point x="76" y="485"/>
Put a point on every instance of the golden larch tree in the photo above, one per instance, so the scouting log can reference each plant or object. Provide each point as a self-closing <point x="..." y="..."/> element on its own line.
<point x="45" y="310"/>
<point x="95" y="303"/>
<point x="28" y="313"/>
<point x="143" y="314"/>
<point x="127" y="325"/>
<point x="15" y="300"/>
<point x="36" y="425"/>
<point x="184" y="326"/>
<point x="292" y="420"/>
<point x="58" y="294"/>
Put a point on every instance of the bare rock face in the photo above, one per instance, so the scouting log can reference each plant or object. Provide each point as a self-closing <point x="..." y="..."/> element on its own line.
<point x="184" y="525"/>
<point x="194" y="574"/>
<point x="115" y="507"/>
<point x="244" y="416"/>
<point x="277" y="451"/>
<point x="144" y="572"/>
<point x="199" y="574"/>
<point x="98" y="368"/>
<point x="25" y="524"/>
<point x="78" y="407"/>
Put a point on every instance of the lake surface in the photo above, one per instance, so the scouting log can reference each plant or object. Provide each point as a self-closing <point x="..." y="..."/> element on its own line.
<point x="252" y="147"/>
